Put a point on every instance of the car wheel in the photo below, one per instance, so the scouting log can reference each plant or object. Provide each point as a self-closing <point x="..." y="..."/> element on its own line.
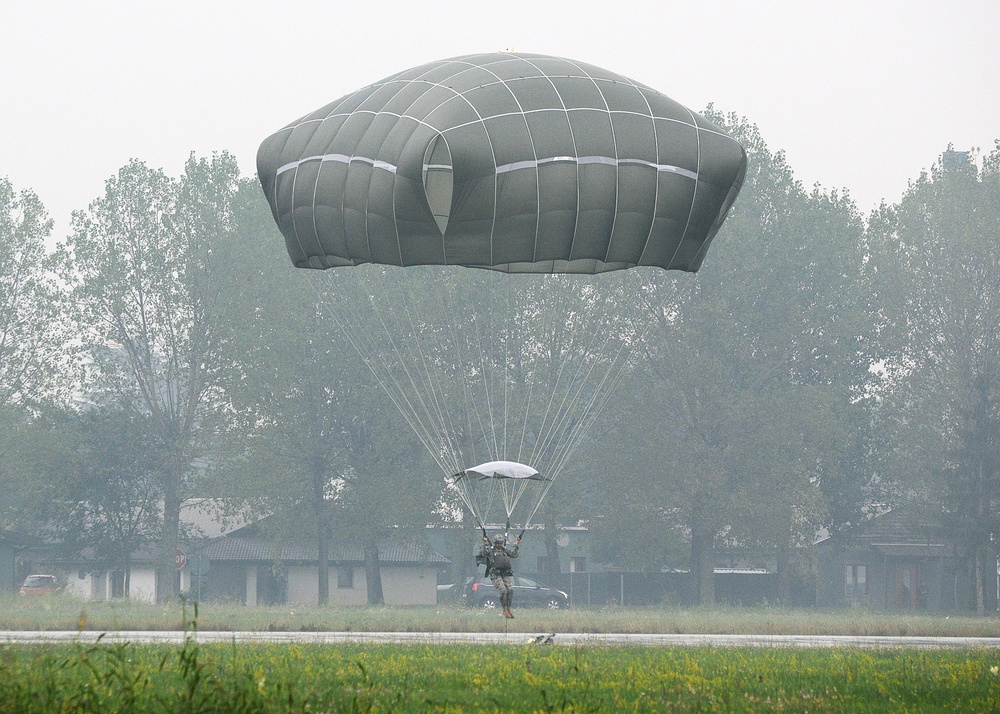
<point x="553" y="604"/>
<point x="490" y="604"/>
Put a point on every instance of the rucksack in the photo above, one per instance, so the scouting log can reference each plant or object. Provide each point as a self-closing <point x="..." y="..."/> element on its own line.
<point x="497" y="561"/>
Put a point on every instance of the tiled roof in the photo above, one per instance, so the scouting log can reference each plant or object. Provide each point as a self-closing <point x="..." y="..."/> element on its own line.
<point x="259" y="548"/>
<point x="898" y="527"/>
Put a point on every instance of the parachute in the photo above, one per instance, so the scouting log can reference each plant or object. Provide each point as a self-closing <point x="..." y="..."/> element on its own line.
<point x="479" y="486"/>
<point x="514" y="163"/>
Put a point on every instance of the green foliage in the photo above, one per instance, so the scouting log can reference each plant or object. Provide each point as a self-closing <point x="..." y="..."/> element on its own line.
<point x="32" y="338"/>
<point x="294" y="678"/>
<point x="735" y="420"/>
<point x="311" y="439"/>
<point x="140" y="270"/>
<point x="936" y="272"/>
<point x="747" y="414"/>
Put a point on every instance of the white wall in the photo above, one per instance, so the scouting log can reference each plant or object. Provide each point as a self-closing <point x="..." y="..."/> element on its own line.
<point x="409" y="586"/>
<point x="76" y="586"/>
<point x="400" y="586"/>
<point x="251" y="586"/>
<point x="355" y="595"/>
<point x="142" y="584"/>
<point x="303" y="586"/>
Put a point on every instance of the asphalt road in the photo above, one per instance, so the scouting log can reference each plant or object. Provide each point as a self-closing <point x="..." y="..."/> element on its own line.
<point x="207" y="637"/>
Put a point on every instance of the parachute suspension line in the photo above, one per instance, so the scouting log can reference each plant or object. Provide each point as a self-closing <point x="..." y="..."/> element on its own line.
<point x="558" y="416"/>
<point x="440" y="414"/>
<point x="466" y="368"/>
<point x="484" y="377"/>
<point x="413" y="380"/>
<point x="624" y="355"/>
<point x="616" y="369"/>
<point x="392" y="385"/>
<point x="426" y="410"/>
<point x="356" y="340"/>
<point x="541" y="437"/>
<point x="529" y="395"/>
<point x="592" y="410"/>
<point x="507" y="342"/>
<point x="563" y="443"/>
<point x="579" y="383"/>
<point x="476" y="506"/>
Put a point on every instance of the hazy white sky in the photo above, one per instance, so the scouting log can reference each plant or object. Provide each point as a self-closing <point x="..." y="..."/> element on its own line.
<point x="860" y="94"/>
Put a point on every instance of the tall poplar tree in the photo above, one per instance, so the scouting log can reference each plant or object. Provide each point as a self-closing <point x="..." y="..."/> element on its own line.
<point x="747" y="375"/>
<point x="936" y="270"/>
<point x="31" y="334"/>
<point x="140" y="267"/>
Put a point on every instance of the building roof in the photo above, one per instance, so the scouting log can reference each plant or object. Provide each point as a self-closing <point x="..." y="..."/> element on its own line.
<point x="901" y="531"/>
<point x="914" y="550"/>
<point x="260" y="548"/>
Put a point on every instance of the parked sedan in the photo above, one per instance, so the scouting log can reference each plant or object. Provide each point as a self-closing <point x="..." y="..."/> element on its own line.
<point x="40" y="585"/>
<point x="479" y="592"/>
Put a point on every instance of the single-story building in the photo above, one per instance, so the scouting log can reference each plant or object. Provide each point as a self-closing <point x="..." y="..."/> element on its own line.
<point x="897" y="561"/>
<point x="249" y="567"/>
<point x="84" y="575"/>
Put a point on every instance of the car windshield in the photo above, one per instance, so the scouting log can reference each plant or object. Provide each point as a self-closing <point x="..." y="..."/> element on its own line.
<point x="35" y="581"/>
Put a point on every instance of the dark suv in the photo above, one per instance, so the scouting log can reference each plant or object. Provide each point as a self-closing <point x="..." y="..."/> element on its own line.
<point x="479" y="592"/>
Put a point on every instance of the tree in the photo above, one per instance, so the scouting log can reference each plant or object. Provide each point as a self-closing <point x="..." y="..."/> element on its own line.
<point x="936" y="273"/>
<point x="389" y="488"/>
<point x="140" y="266"/>
<point x="31" y="338"/>
<point x="311" y="440"/>
<point x="110" y="499"/>
<point x="746" y="373"/>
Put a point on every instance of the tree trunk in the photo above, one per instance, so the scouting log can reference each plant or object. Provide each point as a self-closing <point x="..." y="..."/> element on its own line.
<point x="323" y="563"/>
<point x="980" y="599"/>
<point x="783" y="567"/>
<point x="464" y="564"/>
<point x="373" y="573"/>
<point x="322" y="536"/>
<point x="553" y="568"/>
<point x="167" y="566"/>
<point x="702" y="566"/>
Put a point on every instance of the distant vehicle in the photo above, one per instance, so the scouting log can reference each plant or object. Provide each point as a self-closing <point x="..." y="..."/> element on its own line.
<point x="40" y="585"/>
<point x="479" y="592"/>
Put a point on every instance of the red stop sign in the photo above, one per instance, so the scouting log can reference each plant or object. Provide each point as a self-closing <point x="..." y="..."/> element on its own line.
<point x="180" y="559"/>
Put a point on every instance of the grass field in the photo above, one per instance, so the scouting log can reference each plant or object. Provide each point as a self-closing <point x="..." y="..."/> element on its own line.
<point x="521" y="678"/>
<point x="67" y="613"/>
<point x="129" y="677"/>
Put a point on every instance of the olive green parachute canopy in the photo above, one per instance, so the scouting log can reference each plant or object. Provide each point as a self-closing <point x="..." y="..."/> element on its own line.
<point x="509" y="161"/>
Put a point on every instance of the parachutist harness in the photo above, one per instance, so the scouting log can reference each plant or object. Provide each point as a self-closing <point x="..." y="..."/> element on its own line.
<point x="496" y="557"/>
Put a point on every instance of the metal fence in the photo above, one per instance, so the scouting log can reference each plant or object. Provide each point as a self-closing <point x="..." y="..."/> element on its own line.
<point x="636" y="589"/>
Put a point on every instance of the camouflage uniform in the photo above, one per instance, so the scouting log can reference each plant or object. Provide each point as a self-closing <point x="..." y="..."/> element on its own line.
<point x="498" y="569"/>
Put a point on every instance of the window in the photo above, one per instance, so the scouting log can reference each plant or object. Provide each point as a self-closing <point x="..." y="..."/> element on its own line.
<point x="855" y="582"/>
<point x="578" y="565"/>
<point x="345" y="577"/>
